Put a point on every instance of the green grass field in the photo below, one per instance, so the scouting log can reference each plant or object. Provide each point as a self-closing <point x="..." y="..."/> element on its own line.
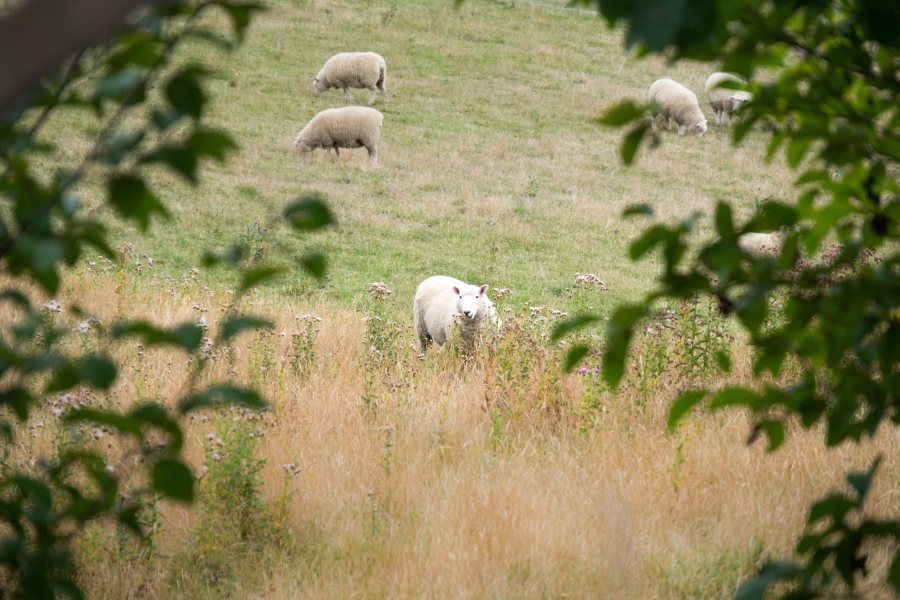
<point x="492" y="167"/>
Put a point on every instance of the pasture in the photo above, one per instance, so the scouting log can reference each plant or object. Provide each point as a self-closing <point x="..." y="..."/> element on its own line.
<point x="379" y="474"/>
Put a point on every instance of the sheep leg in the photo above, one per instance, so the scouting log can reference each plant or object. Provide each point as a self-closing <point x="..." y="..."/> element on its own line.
<point x="371" y="97"/>
<point x="373" y="155"/>
<point x="383" y="89"/>
<point x="421" y="330"/>
<point x="337" y="151"/>
<point x="653" y="121"/>
<point x="347" y="96"/>
<point x="669" y="123"/>
<point x="681" y="130"/>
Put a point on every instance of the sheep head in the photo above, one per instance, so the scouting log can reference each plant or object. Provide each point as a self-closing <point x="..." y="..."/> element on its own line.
<point x="471" y="302"/>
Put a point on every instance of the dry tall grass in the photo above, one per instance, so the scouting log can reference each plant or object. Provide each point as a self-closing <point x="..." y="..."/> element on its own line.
<point x="495" y="477"/>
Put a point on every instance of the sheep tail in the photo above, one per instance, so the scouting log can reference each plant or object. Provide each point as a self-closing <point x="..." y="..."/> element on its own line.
<point x="380" y="83"/>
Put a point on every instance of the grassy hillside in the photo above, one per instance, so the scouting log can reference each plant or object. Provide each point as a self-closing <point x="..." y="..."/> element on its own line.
<point x="492" y="166"/>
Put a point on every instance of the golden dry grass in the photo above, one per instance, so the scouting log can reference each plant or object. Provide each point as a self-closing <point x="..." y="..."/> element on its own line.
<point x="446" y="478"/>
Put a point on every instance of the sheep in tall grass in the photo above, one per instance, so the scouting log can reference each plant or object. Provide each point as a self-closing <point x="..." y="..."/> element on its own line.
<point x="725" y="101"/>
<point x="348" y="127"/>
<point x="677" y="104"/>
<point x="442" y="303"/>
<point x="353" y="70"/>
<point x="761" y="244"/>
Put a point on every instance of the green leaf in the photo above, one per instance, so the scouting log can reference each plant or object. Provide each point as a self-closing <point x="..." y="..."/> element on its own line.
<point x="211" y="143"/>
<point x="632" y="141"/>
<point x="222" y="394"/>
<point x="574" y="356"/>
<point x="17" y="398"/>
<point x="618" y="339"/>
<point x="187" y="335"/>
<point x="894" y="575"/>
<point x="255" y="276"/>
<point x="861" y="482"/>
<point x="97" y="371"/>
<point x="185" y="92"/>
<point x="65" y="377"/>
<point x="774" y="431"/>
<point x="132" y="199"/>
<point x="123" y="423"/>
<point x="652" y="237"/>
<point x="573" y="324"/>
<point x="725" y="222"/>
<point x="173" y="479"/>
<point x="240" y="13"/>
<point x="769" y="575"/>
<point x="622" y="113"/>
<point x="308" y="214"/>
<point x="735" y="396"/>
<point x="682" y="405"/>
<point x="638" y="209"/>
<point x="121" y="84"/>
<point x="314" y="264"/>
<point x="233" y="326"/>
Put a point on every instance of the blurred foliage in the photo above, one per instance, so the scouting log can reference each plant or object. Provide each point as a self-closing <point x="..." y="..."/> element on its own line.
<point x="150" y="107"/>
<point x="824" y="79"/>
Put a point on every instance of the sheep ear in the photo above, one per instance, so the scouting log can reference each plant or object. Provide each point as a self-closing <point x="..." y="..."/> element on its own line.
<point x="483" y="289"/>
<point x="456" y="290"/>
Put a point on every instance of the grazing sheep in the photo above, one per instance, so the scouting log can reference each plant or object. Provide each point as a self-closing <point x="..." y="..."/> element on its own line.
<point x="441" y="302"/>
<point x="353" y="70"/>
<point x="349" y="127"/>
<point x="725" y="101"/>
<point x="761" y="244"/>
<point x="677" y="104"/>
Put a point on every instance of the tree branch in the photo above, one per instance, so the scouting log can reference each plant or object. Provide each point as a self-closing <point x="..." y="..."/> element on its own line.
<point x="36" y="38"/>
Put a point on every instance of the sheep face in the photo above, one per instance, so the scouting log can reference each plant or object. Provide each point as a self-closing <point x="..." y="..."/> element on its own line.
<point x="319" y="86"/>
<point x="470" y="303"/>
<point x="302" y="146"/>
<point x="699" y="129"/>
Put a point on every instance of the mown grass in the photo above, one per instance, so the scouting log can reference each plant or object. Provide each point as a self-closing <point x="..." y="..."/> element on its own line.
<point x="492" y="166"/>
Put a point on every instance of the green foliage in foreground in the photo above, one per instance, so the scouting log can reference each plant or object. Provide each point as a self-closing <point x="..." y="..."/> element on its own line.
<point x="43" y="228"/>
<point x="834" y="107"/>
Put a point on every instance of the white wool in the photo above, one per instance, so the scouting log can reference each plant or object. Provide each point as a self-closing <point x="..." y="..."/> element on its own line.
<point x="725" y="101"/>
<point x="677" y="104"/>
<point x="353" y="70"/>
<point x="442" y="303"/>
<point x="760" y="244"/>
<point x="348" y="127"/>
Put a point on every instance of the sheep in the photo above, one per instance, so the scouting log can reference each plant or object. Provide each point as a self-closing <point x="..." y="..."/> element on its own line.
<point x="353" y="70"/>
<point x="677" y="104"/>
<point x="348" y="127"/>
<point x="761" y="244"/>
<point x="725" y="101"/>
<point x="442" y="302"/>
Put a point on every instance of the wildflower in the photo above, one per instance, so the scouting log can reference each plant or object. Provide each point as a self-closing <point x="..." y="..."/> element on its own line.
<point x="87" y="325"/>
<point x="51" y="307"/>
<point x="589" y="279"/>
<point x="379" y="289"/>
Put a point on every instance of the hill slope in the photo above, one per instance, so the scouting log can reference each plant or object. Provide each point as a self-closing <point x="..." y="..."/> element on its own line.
<point x="492" y="166"/>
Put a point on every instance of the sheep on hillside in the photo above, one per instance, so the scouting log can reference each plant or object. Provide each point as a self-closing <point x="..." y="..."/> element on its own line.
<point x="353" y="70"/>
<point x="677" y="104"/>
<point x="443" y="302"/>
<point x="348" y="127"/>
<point x="761" y="244"/>
<point x="725" y="101"/>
